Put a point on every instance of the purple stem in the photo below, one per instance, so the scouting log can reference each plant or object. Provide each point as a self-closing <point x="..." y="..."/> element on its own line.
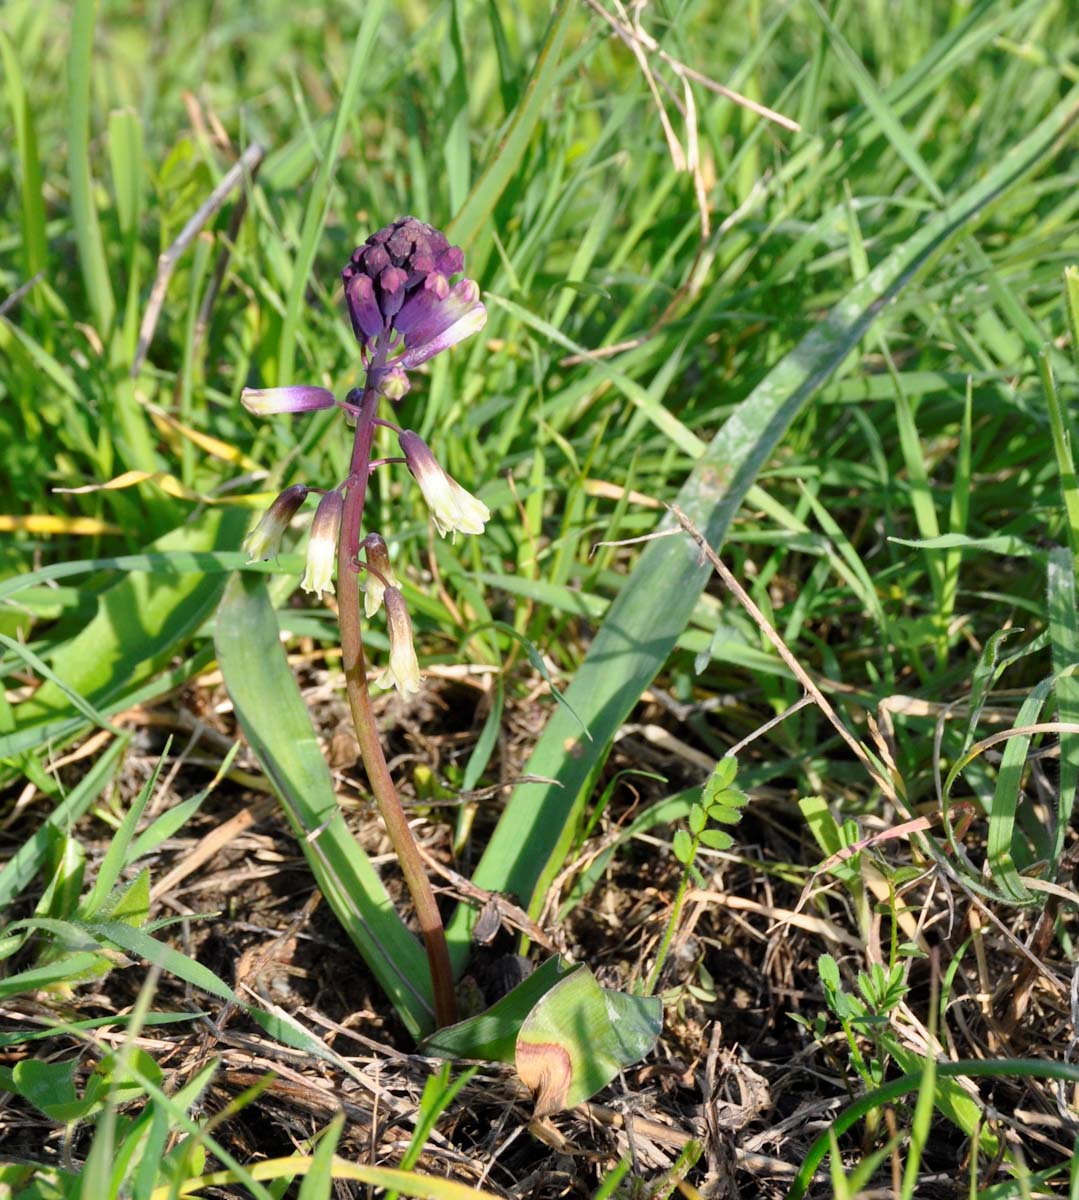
<point x="374" y="760"/>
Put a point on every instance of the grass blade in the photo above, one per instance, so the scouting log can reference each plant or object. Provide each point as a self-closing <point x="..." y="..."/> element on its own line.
<point x="95" y="268"/>
<point x="318" y="1182"/>
<point x="1011" y="1068"/>
<point x="33" y="205"/>
<point x="24" y="864"/>
<point x="1064" y="639"/>
<point x="138" y="625"/>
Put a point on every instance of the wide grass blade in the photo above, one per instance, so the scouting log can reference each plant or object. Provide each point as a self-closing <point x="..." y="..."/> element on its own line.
<point x="138" y="624"/>
<point x="653" y="607"/>
<point x="275" y="720"/>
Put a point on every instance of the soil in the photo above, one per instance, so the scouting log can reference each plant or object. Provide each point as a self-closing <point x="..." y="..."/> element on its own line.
<point x="734" y="1076"/>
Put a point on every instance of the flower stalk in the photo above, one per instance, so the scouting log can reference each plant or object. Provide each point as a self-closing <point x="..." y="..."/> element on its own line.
<point x="404" y="310"/>
<point x="359" y="699"/>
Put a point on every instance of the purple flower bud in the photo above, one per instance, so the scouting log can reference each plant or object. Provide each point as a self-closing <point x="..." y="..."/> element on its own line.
<point x="322" y="544"/>
<point x="397" y="285"/>
<point x="403" y="671"/>
<point x="367" y="322"/>
<point x="392" y="286"/>
<point x="422" y="304"/>
<point x="264" y="402"/>
<point x="450" y="261"/>
<point x="376" y="260"/>
<point x="264" y="541"/>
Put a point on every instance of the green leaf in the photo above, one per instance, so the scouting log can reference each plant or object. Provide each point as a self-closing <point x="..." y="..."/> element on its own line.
<point x="723" y="775"/>
<point x="1004" y="544"/>
<point x="716" y="839"/>
<point x="579" y="1036"/>
<point x="698" y="818"/>
<point x="116" y="855"/>
<point x="439" y="1092"/>
<point x="683" y="847"/>
<point x="275" y="721"/>
<point x="1064" y="638"/>
<point x="1007" y="795"/>
<point x="828" y="970"/>
<point x="49" y="1086"/>
<point x="492" y="1035"/>
<point x="62" y="972"/>
<point x="726" y="806"/>
<point x="138" y="624"/>
<point x="129" y="902"/>
<point x="318" y="1182"/>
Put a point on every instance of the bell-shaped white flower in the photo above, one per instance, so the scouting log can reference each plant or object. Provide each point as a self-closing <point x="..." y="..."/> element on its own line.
<point x="453" y="509"/>
<point x="379" y="574"/>
<point x="403" y="670"/>
<point x="322" y="544"/>
<point x="264" y="541"/>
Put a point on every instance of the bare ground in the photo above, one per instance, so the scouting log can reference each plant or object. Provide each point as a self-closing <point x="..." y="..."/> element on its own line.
<point x="733" y="1070"/>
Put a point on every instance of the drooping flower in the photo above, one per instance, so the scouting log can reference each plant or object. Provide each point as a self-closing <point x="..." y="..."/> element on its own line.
<point x="403" y="670"/>
<point x="266" y="402"/>
<point x="264" y="541"/>
<point x="458" y="316"/>
<point x="397" y="287"/>
<point x="379" y="575"/>
<point x="453" y="509"/>
<point x="322" y="544"/>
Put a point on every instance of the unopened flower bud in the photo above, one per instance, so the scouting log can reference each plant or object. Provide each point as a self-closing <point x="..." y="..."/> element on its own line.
<point x="264" y="541"/>
<point x="322" y="544"/>
<point x="379" y="575"/>
<point x="453" y="509"/>
<point x="264" y="402"/>
<point x="394" y="384"/>
<point x="397" y="285"/>
<point x="403" y="671"/>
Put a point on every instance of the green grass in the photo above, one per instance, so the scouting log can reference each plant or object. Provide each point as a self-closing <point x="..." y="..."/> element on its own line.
<point x="859" y="386"/>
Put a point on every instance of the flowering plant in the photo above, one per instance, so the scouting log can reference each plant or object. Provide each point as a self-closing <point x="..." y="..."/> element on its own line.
<point x="404" y="309"/>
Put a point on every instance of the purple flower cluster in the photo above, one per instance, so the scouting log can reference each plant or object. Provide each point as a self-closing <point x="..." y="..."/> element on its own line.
<point x="397" y="287"/>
